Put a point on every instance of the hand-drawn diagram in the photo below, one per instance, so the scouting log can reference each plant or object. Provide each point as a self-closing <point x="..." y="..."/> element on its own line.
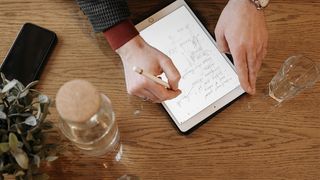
<point x="201" y="73"/>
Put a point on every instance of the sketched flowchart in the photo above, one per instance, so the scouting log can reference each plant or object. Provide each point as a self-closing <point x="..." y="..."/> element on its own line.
<point x="200" y="70"/>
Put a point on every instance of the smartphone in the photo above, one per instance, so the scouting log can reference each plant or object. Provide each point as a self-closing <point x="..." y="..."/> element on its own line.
<point x="29" y="53"/>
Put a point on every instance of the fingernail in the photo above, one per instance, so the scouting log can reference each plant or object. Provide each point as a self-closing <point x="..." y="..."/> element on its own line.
<point x="252" y="90"/>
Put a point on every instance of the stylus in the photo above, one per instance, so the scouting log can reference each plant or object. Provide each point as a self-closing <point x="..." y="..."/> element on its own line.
<point x="151" y="77"/>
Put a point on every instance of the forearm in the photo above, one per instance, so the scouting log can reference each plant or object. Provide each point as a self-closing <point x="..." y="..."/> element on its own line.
<point x="104" y="14"/>
<point x="111" y="17"/>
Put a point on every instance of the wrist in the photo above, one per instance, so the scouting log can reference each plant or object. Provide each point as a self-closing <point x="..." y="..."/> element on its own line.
<point x="131" y="46"/>
<point x="245" y="7"/>
<point x="255" y="4"/>
<point x="258" y="4"/>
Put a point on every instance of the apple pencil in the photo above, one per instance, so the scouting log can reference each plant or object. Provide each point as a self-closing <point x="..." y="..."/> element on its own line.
<point x="151" y="77"/>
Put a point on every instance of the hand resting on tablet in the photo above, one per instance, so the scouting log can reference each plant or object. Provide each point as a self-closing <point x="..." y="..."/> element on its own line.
<point x="241" y="30"/>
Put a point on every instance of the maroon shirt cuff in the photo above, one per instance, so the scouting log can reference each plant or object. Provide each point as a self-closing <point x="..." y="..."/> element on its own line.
<point x="120" y="33"/>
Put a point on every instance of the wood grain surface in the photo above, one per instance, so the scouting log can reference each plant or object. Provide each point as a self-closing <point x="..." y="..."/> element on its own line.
<point x="249" y="140"/>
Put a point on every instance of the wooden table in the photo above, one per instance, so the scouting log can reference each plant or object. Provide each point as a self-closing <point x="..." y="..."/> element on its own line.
<point x="248" y="140"/>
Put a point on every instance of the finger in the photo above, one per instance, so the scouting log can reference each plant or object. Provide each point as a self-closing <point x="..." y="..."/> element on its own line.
<point x="148" y="95"/>
<point x="260" y="56"/>
<point x="222" y="43"/>
<point x="252" y="61"/>
<point x="141" y="92"/>
<point x="162" y="93"/>
<point x="241" y="67"/>
<point x="171" y="72"/>
<point x="264" y="50"/>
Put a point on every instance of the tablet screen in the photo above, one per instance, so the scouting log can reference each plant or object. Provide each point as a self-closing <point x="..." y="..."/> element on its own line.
<point x="206" y="76"/>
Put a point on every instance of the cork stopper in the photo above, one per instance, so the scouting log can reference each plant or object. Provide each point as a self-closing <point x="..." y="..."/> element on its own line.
<point x="77" y="101"/>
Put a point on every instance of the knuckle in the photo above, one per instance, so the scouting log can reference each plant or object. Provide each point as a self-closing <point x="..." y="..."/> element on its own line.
<point x="166" y="61"/>
<point x="258" y="66"/>
<point x="253" y="71"/>
<point x="252" y="45"/>
<point x="163" y="97"/>
<point x="252" y="64"/>
<point x="143" y="82"/>
<point x="179" y="77"/>
<point x="176" y="78"/>
<point x="239" y="49"/>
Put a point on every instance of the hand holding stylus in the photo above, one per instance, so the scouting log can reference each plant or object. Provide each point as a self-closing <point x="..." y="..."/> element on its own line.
<point x="138" y="53"/>
<point x="151" y="77"/>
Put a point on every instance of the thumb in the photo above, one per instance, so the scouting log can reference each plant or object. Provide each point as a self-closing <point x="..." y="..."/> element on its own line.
<point x="171" y="72"/>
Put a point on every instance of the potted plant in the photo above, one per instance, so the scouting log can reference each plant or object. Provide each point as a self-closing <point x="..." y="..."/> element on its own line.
<point x="23" y="127"/>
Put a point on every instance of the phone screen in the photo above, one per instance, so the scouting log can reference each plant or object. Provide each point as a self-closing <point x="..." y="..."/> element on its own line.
<point x="28" y="54"/>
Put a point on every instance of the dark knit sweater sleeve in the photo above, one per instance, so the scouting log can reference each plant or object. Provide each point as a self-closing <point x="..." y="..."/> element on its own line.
<point x="104" y="14"/>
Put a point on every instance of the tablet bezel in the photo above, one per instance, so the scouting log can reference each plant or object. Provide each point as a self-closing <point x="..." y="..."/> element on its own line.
<point x="217" y="105"/>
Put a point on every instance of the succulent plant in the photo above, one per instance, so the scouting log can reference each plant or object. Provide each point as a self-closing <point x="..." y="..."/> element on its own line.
<point x="23" y="127"/>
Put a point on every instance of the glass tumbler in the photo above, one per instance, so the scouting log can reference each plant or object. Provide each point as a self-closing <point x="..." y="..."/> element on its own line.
<point x="297" y="73"/>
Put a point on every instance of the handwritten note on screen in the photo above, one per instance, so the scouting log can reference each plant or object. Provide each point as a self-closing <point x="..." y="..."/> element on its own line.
<point x="205" y="74"/>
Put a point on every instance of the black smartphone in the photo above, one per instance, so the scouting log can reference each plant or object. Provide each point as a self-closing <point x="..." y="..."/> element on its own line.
<point x="29" y="53"/>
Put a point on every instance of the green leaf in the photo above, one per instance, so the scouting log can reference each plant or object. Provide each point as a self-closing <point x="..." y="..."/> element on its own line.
<point x="18" y="128"/>
<point x="31" y="121"/>
<point x="20" y="114"/>
<point x="3" y="115"/>
<point x="31" y="84"/>
<point x="37" y="148"/>
<point x="21" y="157"/>
<point x="20" y="86"/>
<point x="1" y="165"/>
<point x="19" y="173"/>
<point x="20" y="144"/>
<point x="9" y="86"/>
<point x="24" y="93"/>
<point x="51" y="158"/>
<point x="8" y="167"/>
<point x="36" y="160"/>
<point x="11" y="98"/>
<point x="13" y="142"/>
<point x="4" y="147"/>
<point x="4" y="79"/>
<point x="29" y="136"/>
<point x="39" y="111"/>
<point x="1" y="106"/>
<point x="4" y="137"/>
<point x="43" y="98"/>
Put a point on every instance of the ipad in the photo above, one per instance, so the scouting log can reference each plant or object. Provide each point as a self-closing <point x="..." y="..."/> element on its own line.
<point x="208" y="78"/>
